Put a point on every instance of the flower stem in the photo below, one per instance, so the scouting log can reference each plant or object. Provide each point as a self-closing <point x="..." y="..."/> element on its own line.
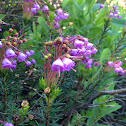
<point x="48" y="112"/>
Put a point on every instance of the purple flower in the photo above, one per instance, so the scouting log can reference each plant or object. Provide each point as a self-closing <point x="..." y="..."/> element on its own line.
<point x="85" y="60"/>
<point x="114" y="7"/>
<point x="115" y="15"/>
<point x="6" y="63"/>
<point x="96" y="64"/>
<point x="122" y="72"/>
<point x="116" y="70"/>
<point x="119" y="17"/>
<point x="34" y="10"/>
<point x="21" y="57"/>
<point x="90" y="61"/>
<point x="88" y="66"/>
<point x="88" y="53"/>
<point x="10" y="53"/>
<point x="89" y="45"/>
<point x="32" y="52"/>
<point x="0" y="44"/>
<point x="0" y="29"/>
<point x="68" y="64"/>
<point x="45" y="8"/>
<point x="101" y="6"/>
<point x="59" y="12"/>
<point x="57" y="66"/>
<point x="93" y="51"/>
<point x="111" y="15"/>
<point x="13" y="67"/>
<point x="33" y="61"/>
<point x="28" y="54"/>
<point x="56" y="25"/>
<point x="116" y="12"/>
<point x="110" y="63"/>
<point x="78" y="44"/>
<point x="36" y="5"/>
<point x="65" y="15"/>
<point x="13" y="62"/>
<point x="74" y="52"/>
<point x="28" y="0"/>
<point x="8" y="124"/>
<point x="28" y="63"/>
<point x="119" y="63"/>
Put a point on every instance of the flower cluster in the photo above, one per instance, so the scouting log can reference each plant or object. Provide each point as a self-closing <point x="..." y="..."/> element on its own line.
<point x="60" y="15"/>
<point x="81" y="49"/>
<point x="114" y="13"/>
<point x="35" y="8"/>
<point x="84" y="48"/>
<point x="117" y="66"/>
<point x="10" y="52"/>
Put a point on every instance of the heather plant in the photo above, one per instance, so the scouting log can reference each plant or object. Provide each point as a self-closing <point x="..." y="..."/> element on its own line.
<point x="82" y="51"/>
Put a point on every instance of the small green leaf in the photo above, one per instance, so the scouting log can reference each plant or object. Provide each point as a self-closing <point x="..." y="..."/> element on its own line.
<point x="118" y="22"/>
<point x="105" y="55"/>
<point x="2" y="16"/>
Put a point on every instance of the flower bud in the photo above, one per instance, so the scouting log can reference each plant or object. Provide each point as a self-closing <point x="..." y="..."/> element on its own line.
<point x="46" y="57"/>
<point x="8" y="43"/>
<point x="10" y="30"/>
<point x="16" y="34"/>
<point x="50" y="42"/>
<point x="20" y="42"/>
<point x="8" y="37"/>
<point x="46" y="43"/>
<point x="67" y="56"/>
<point x="14" y="43"/>
<point x="24" y="40"/>
<point x="14" y="39"/>
<point x="47" y="90"/>
<point x="2" y="40"/>
<point x="49" y="55"/>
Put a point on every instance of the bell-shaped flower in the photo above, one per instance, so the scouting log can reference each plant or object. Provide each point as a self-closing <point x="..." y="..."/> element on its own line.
<point x="94" y="50"/>
<point x="28" y="63"/>
<point x="6" y="63"/>
<point x="27" y="53"/>
<point x="78" y="44"/>
<point x="33" y="61"/>
<point x="34" y="10"/>
<point x="0" y="44"/>
<point x="89" y="45"/>
<point x="65" y="15"/>
<point x="8" y="124"/>
<point x="110" y="63"/>
<point x="45" y="8"/>
<point x="10" y="53"/>
<point x="74" y="52"/>
<point x="32" y="52"/>
<point x="57" y="66"/>
<point x="36" y="5"/>
<point x="68" y="64"/>
<point x="59" y="12"/>
<point x="21" y="57"/>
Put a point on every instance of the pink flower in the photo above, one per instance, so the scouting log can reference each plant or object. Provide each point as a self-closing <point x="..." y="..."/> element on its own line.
<point x="21" y="57"/>
<point x="110" y="63"/>
<point x="6" y="63"/>
<point x="10" y="53"/>
<point x="78" y="44"/>
<point x="45" y="8"/>
<point x="57" y="66"/>
<point x="68" y="64"/>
